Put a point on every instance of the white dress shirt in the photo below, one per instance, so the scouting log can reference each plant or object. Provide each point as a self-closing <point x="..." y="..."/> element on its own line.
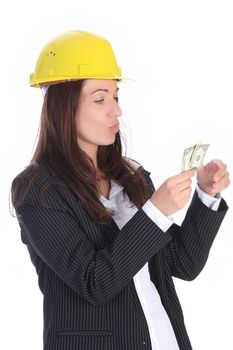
<point x="160" y="328"/>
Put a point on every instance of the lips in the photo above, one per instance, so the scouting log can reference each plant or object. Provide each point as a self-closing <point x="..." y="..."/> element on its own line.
<point x="115" y="127"/>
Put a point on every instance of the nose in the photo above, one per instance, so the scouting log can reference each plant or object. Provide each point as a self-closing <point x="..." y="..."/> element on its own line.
<point x="115" y="109"/>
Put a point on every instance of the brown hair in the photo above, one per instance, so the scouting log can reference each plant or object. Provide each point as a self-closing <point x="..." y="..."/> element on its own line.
<point x="57" y="146"/>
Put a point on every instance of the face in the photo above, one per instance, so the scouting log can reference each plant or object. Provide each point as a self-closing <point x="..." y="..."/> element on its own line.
<point x="97" y="115"/>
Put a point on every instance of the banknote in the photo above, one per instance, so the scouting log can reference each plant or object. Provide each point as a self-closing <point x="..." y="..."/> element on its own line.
<point x="193" y="156"/>
<point x="187" y="157"/>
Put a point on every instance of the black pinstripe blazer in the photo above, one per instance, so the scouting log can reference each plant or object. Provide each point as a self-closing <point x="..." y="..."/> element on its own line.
<point x="86" y="270"/>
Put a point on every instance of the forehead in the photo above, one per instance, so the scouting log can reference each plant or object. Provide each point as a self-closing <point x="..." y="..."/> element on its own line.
<point x="91" y="85"/>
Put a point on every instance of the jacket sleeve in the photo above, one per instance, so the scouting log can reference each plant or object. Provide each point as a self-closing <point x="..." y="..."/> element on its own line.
<point x="188" y="251"/>
<point x="97" y="275"/>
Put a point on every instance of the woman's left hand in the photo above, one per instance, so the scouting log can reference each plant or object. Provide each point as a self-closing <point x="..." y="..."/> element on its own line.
<point x="213" y="177"/>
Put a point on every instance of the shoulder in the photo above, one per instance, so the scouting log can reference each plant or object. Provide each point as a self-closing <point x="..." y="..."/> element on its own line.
<point x="137" y="167"/>
<point x="36" y="184"/>
<point x="36" y="174"/>
<point x="133" y="163"/>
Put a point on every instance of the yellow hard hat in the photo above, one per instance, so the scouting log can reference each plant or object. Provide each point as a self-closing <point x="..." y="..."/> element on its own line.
<point x="75" y="55"/>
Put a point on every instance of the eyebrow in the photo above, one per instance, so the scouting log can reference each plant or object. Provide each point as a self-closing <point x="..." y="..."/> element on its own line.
<point x="105" y="90"/>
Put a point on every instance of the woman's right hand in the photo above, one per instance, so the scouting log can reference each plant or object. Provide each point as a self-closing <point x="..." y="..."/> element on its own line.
<point x="174" y="193"/>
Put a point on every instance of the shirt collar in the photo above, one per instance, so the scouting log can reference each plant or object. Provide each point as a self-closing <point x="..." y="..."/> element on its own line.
<point x="115" y="189"/>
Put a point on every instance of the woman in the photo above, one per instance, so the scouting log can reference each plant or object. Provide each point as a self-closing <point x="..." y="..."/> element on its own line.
<point x="101" y="238"/>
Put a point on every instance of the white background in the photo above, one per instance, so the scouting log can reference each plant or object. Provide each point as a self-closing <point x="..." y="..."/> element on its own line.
<point x="180" y="53"/>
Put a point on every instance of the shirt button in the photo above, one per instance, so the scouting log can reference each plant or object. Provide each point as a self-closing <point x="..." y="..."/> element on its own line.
<point x="144" y="343"/>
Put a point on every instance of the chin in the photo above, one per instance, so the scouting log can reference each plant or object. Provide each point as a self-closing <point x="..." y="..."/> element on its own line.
<point x="108" y="142"/>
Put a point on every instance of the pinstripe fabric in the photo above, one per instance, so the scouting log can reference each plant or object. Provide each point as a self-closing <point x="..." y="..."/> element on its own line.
<point x="86" y="270"/>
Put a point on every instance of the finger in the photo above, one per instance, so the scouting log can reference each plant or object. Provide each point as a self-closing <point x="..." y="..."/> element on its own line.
<point x="216" y="165"/>
<point x="184" y="176"/>
<point x="212" y="168"/>
<point x="186" y="192"/>
<point x="184" y="185"/>
<point x="222" y="172"/>
<point x="171" y="182"/>
<point x="183" y="197"/>
<point x="222" y="184"/>
<point x="217" y="162"/>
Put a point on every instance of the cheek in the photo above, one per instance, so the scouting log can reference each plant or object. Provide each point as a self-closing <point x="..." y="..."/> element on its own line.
<point x="89" y="123"/>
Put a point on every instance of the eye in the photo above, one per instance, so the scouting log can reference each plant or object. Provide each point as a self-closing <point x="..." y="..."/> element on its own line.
<point x="99" y="101"/>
